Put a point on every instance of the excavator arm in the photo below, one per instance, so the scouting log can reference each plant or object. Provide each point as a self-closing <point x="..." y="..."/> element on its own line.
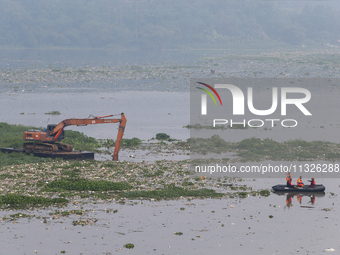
<point x="55" y="133"/>
<point x="40" y="141"/>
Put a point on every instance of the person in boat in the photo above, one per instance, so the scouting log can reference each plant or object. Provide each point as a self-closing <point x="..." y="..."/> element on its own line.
<point x="299" y="182"/>
<point x="312" y="182"/>
<point x="289" y="180"/>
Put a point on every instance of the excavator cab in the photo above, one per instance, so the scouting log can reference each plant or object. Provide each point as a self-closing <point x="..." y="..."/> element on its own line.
<point x="50" y="127"/>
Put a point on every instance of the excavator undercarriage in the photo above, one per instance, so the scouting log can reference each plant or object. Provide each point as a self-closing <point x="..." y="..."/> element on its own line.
<point x="46" y="147"/>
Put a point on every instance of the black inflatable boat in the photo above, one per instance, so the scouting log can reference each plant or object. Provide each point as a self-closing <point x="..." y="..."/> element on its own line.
<point x="295" y="188"/>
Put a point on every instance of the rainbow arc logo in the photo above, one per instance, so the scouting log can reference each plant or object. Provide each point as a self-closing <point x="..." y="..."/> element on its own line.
<point x="209" y="93"/>
<point x="204" y="97"/>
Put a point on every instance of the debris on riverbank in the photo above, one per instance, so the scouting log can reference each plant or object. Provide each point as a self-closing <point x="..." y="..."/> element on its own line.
<point x="96" y="180"/>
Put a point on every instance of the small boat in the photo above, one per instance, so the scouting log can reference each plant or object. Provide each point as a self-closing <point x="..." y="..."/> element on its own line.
<point x="295" y="188"/>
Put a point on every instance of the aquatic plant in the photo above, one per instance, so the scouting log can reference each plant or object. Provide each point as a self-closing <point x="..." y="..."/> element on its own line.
<point x="80" y="222"/>
<point x="265" y="193"/>
<point x="255" y="149"/>
<point x="162" y="136"/>
<point x="85" y="185"/>
<point x="129" y="245"/>
<point x="14" y="200"/>
<point x="67" y="213"/>
<point x="53" y="113"/>
<point x="126" y="143"/>
<point x="79" y="141"/>
<point x="171" y="192"/>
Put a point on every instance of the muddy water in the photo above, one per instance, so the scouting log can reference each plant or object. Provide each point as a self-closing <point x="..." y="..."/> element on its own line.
<point x="221" y="226"/>
<point x="147" y="113"/>
<point x="144" y="155"/>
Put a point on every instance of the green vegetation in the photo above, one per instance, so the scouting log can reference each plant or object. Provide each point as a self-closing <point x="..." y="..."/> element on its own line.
<point x="86" y="185"/>
<point x="20" y="201"/>
<point x="6" y="176"/>
<point x="130" y="143"/>
<point x="171" y="192"/>
<point x="67" y="213"/>
<point x="162" y="136"/>
<point x="129" y="245"/>
<point x="161" y="180"/>
<point x="53" y="113"/>
<point x="79" y="222"/>
<point x="79" y="141"/>
<point x="19" y="158"/>
<point x="255" y="149"/>
<point x="11" y="136"/>
<point x="178" y="233"/>
<point x="265" y="193"/>
<point x="126" y="143"/>
<point x="242" y="194"/>
<point x="20" y="215"/>
<point x="215" y="144"/>
<point x="74" y="182"/>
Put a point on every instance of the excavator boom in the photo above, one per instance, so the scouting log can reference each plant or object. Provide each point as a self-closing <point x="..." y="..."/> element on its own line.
<point x="56" y="134"/>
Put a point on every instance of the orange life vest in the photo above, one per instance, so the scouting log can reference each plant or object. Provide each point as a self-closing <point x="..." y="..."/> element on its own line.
<point x="299" y="182"/>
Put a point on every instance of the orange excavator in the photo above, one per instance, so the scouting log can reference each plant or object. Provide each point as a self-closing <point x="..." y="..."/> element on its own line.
<point x="49" y="141"/>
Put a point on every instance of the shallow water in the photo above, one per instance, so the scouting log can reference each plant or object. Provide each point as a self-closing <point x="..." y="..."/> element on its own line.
<point x="219" y="226"/>
<point x="80" y="83"/>
<point x="147" y="113"/>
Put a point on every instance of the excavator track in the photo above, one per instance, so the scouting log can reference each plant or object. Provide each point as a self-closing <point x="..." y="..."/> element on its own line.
<point x="73" y="155"/>
<point x="40" y="147"/>
<point x="51" y="150"/>
<point x="63" y="147"/>
<point x="47" y="147"/>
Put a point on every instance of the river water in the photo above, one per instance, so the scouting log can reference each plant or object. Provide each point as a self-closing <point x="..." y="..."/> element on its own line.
<point x="253" y="225"/>
<point x="153" y="91"/>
